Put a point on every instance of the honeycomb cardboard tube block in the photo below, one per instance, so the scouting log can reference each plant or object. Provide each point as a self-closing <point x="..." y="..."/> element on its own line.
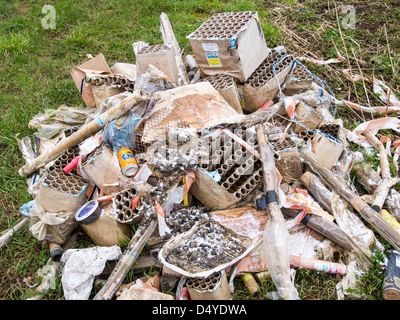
<point x="84" y="132"/>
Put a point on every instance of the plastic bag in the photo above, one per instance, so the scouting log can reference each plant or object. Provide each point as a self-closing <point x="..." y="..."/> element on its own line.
<point x="276" y="256"/>
<point x="51" y="226"/>
<point x="348" y="282"/>
<point x="123" y="137"/>
<point x="153" y="80"/>
<point x="48" y="275"/>
<point x="53" y="121"/>
<point x="393" y="203"/>
<point x="352" y="225"/>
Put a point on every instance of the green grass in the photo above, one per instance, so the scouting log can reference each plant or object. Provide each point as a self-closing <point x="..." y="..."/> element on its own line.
<point x="370" y="283"/>
<point x="35" y="66"/>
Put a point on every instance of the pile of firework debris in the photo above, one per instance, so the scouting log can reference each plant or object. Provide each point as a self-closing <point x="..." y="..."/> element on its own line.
<point x="225" y="163"/>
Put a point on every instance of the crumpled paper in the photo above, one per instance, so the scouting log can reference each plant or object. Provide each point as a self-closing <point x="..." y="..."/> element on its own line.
<point x="81" y="267"/>
<point x="142" y="291"/>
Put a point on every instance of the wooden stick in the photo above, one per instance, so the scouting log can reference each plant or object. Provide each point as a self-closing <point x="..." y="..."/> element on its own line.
<point x="323" y="196"/>
<point x="84" y="132"/>
<point x="369" y="214"/>
<point x="371" y="180"/>
<point x="146" y="227"/>
<point x="7" y="236"/>
<point x="318" y="190"/>
<point x="145" y="263"/>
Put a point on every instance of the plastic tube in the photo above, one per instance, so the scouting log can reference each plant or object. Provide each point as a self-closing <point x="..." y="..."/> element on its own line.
<point x="68" y="168"/>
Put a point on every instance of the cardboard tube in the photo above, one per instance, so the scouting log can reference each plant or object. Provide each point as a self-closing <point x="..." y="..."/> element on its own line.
<point x="250" y="283"/>
<point x="55" y="251"/>
<point x="230" y="164"/>
<point x="223" y="169"/>
<point x="323" y="226"/>
<point x="319" y="265"/>
<point x="235" y="176"/>
<point x="216" y="160"/>
<point x="99" y="81"/>
<point x="7" y="236"/>
<point x="84" y="132"/>
<point x="116" y="80"/>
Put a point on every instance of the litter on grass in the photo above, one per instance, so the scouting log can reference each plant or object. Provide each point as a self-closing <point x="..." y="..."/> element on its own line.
<point x="238" y="167"/>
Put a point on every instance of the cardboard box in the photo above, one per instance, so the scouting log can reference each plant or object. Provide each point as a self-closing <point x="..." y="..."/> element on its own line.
<point x="262" y="85"/>
<point x="232" y="43"/>
<point x="95" y="65"/>
<point x="162" y="57"/>
<point x="326" y="150"/>
<point x="306" y="116"/>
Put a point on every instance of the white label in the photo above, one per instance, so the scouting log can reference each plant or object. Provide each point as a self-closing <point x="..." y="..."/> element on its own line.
<point x="210" y="47"/>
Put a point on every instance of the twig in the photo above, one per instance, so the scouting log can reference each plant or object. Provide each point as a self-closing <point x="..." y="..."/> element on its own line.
<point x="388" y="48"/>
<point x="363" y="81"/>
<point x="348" y="60"/>
<point x="387" y="181"/>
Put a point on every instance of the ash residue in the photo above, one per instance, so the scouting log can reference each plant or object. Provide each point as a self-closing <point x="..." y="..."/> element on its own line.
<point x="172" y="161"/>
<point x="182" y="218"/>
<point x="158" y="193"/>
<point x="209" y="246"/>
<point x="177" y="155"/>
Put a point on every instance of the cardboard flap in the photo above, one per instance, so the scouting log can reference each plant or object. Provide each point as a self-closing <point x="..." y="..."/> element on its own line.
<point x="94" y="65"/>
